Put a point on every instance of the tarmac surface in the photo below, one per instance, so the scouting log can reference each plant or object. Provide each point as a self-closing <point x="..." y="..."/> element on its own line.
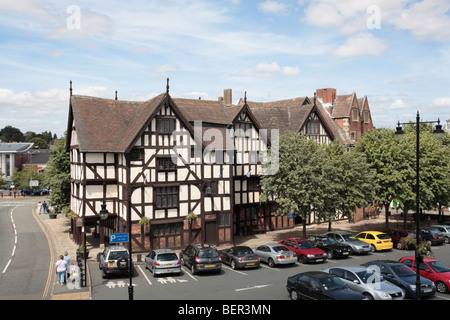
<point x="58" y="233"/>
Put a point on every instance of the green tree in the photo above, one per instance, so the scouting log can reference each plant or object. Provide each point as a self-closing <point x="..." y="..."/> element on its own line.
<point x="295" y="187"/>
<point x="386" y="157"/>
<point x="434" y="171"/>
<point x="355" y="187"/>
<point x="57" y="177"/>
<point x="39" y="143"/>
<point x="12" y="134"/>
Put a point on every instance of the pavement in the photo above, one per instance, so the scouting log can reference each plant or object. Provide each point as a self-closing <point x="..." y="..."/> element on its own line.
<point x="58" y="234"/>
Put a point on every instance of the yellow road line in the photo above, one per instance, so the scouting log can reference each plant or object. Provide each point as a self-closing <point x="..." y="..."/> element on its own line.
<point x="50" y="245"/>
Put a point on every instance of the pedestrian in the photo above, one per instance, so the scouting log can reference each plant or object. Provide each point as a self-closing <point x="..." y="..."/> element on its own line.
<point x="60" y="269"/>
<point x="69" y="262"/>
<point x="44" y="207"/>
<point x="39" y="207"/>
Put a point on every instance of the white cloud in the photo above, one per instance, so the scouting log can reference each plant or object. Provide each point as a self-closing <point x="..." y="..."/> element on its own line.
<point x="40" y="110"/>
<point x="263" y="70"/>
<point x="165" y="68"/>
<point x="273" y="7"/>
<point x="442" y="102"/>
<point x="363" y="44"/>
<point x="424" y="19"/>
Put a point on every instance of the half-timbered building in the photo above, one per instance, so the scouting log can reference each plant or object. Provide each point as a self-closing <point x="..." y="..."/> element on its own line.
<point x="156" y="164"/>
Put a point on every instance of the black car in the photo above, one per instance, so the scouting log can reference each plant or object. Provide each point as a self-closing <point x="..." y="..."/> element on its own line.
<point x="240" y="257"/>
<point x="433" y="235"/>
<point x="318" y="285"/>
<point x="402" y="276"/>
<point x="201" y="258"/>
<point x="333" y="248"/>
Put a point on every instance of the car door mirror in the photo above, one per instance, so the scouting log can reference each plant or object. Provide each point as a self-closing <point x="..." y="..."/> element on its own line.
<point x="356" y="281"/>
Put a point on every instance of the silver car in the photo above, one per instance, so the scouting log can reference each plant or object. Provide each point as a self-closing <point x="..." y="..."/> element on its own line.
<point x="445" y="230"/>
<point x="274" y="254"/>
<point x="356" y="245"/>
<point x="162" y="261"/>
<point x="368" y="282"/>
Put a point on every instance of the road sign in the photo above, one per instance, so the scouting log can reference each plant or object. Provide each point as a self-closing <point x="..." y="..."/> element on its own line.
<point x="118" y="237"/>
<point x="291" y="215"/>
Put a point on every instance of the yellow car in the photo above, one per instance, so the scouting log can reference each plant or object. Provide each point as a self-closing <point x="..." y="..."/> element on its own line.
<point x="377" y="240"/>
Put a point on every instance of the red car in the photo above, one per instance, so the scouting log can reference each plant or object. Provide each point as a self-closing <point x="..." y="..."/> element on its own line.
<point x="396" y="236"/>
<point x="305" y="250"/>
<point x="432" y="269"/>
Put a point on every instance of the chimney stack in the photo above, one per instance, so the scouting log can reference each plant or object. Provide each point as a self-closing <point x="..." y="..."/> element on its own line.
<point x="328" y="95"/>
<point x="227" y="97"/>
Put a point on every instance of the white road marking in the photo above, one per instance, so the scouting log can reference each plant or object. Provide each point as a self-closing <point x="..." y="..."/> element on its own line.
<point x="15" y="239"/>
<point x="254" y="287"/>
<point x="145" y="276"/>
<point x="240" y="272"/>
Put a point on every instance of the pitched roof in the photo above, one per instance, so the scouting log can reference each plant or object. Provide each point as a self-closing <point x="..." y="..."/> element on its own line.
<point x="342" y="105"/>
<point x="15" y="147"/>
<point x="105" y="125"/>
<point x="285" y="115"/>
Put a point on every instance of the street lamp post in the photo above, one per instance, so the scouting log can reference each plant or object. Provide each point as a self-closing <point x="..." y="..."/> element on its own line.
<point x="438" y="132"/>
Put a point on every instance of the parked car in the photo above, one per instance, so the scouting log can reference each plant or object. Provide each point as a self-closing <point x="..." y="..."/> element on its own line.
<point x="114" y="260"/>
<point x="377" y="240"/>
<point x="201" y="258"/>
<point x="367" y="282"/>
<point x="432" y="269"/>
<point x="433" y="235"/>
<point x="402" y="276"/>
<point x="357" y="246"/>
<point x="319" y="285"/>
<point x="275" y="254"/>
<point x="305" y="250"/>
<point x="397" y="235"/>
<point x="162" y="261"/>
<point x="240" y="257"/>
<point x="445" y="230"/>
<point x="332" y="248"/>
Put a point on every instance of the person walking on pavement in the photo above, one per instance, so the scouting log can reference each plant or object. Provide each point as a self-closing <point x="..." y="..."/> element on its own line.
<point x="69" y="262"/>
<point x="60" y="269"/>
<point x="44" y="207"/>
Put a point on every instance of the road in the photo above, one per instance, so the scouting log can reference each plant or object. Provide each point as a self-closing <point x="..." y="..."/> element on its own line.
<point x="24" y="253"/>
<point x="264" y="283"/>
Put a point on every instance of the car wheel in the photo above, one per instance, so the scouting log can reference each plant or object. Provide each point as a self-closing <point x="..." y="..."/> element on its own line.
<point x="193" y="269"/>
<point x="153" y="271"/>
<point x="233" y="265"/>
<point x="330" y="255"/>
<point x="372" y="248"/>
<point x="271" y="263"/>
<point x="302" y="259"/>
<point x="294" y="295"/>
<point x="182" y="262"/>
<point x="368" y="296"/>
<point x="441" y="287"/>
<point x="447" y="240"/>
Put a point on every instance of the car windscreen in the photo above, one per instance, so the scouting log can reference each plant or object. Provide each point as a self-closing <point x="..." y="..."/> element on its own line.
<point x="402" y="271"/>
<point x="167" y="257"/>
<point x="115" y="255"/>
<point x="244" y="251"/>
<point x="280" y="248"/>
<point x="370" y="277"/>
<point x="305" y="245"/>
<point x="332" y="283"/>
<point x="208" y="253"/>
<point x="383" y="236"/>
<point x="438" y="266"/>
<point x="349" y="237"/>
<point x="328" y="241"/>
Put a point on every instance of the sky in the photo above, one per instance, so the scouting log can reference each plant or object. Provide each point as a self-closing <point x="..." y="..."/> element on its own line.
<point x="395" y="52"/>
